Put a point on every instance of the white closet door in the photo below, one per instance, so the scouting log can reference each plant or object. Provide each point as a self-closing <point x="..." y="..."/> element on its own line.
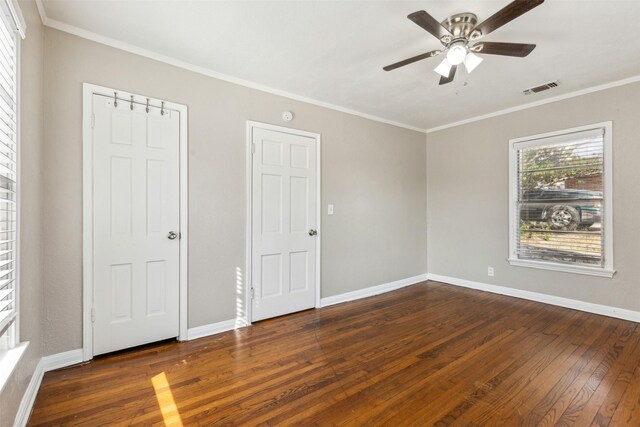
<point x="136" y="221"/>
<point x="283" y="223"/>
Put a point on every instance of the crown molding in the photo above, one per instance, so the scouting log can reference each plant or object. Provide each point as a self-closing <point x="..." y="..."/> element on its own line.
<point x="41" y="11"/>
<point x="79" y="32"/>
<point x="569" y="95"/>
<point x="76" y="31"/>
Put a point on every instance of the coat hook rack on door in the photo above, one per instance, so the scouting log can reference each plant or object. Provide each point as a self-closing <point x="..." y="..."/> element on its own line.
<point x="132" y="101"/>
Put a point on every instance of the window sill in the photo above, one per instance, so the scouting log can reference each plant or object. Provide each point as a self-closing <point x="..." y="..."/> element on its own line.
<point x="9" y="359"/>
<point x="591" y="271"/>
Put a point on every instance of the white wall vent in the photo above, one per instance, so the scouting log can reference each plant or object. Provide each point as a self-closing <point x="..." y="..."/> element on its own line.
<point x="541" y="88"/>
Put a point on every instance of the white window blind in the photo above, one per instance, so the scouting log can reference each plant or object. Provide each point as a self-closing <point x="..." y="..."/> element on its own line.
<point x="560" y="187"/>
<point x="8" y="176"/>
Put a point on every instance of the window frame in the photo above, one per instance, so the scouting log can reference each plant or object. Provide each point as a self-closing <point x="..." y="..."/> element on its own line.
<point x="607" y="270"/>
<point x="12" y="326"/>
<point x="9" y="358"/>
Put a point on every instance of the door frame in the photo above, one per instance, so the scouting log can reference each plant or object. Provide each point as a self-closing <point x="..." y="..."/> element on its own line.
<point x="88" y="91"/>
<point x="251" y="125"/>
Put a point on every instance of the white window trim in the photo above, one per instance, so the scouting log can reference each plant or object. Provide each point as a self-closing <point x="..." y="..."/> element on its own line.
<point x="18" y="18"/>
<point x="9" y="359"/>
<point x="15" y="317"/>
<point x="607" y="270"/>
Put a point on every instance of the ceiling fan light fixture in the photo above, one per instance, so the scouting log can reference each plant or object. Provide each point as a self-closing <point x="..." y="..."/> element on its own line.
<point x="457" y="53"/>
<point x="472" y="61"/>
<point x="444" y="69"/>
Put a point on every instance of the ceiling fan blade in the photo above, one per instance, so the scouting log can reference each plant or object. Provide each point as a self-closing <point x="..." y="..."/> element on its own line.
<point x="411" y="60"/>
<point x="506" y="49"/>
<point x="429" y="23"/>
<point x="504" y="16"/>
<point x="452" y="74"/>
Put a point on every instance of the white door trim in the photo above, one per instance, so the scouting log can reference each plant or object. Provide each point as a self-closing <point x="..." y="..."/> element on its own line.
<point x="88" y="90"/>
<point x="251" y="125"/>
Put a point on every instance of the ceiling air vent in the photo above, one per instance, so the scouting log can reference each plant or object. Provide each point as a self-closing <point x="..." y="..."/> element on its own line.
<point x="541" y="88"/>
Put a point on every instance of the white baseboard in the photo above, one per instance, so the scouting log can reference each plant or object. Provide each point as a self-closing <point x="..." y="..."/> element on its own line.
<point x="605" y="310"/>
<point x="215" y="328"/>
<point x="62" y="360"/>
<point x="29" y="397"/>
<point x="371" y="291"/>
<point x="227" y="325"/>
<point x="46" y="364"/>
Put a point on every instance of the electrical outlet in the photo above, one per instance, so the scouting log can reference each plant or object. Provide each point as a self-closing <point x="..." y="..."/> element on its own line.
<point x="330" y="210"/>
<point x="490" y="271"/>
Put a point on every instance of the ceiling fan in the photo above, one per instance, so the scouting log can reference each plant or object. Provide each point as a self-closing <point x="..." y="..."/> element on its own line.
<point x="458" y="32"/>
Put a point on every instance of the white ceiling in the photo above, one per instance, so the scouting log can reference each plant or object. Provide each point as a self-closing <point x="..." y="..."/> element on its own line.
<point x="334" y="51"/>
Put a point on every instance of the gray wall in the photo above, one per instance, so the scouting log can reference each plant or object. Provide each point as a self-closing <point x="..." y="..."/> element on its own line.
<point x="467" y="185"/>
<point x="31" y="288"/>
<point x="374" y="174"/>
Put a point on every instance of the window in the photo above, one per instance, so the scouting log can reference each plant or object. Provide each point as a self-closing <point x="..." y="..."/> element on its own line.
<point x="560" y="215"/>
<point x="8" y="175"/>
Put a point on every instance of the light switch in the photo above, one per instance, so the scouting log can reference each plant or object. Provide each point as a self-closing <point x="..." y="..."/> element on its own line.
<point x="330" y="210"/>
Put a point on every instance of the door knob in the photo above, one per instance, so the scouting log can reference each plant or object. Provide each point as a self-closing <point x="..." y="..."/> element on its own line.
<point x="312" y="232"/>
<point x="172" y="235"/>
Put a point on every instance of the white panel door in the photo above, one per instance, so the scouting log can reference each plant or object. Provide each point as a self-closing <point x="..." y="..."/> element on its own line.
<point x="136" y="201"/>
<point x="283" y="261"/>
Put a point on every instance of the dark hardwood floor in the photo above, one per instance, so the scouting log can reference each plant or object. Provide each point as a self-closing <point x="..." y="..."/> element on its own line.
<point x="430" y="354"/>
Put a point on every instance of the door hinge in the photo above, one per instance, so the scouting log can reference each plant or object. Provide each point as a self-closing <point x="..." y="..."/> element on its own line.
<point x="93" y="315"/>
<point x="253" y="293"/>
<point x="93" y="121"/>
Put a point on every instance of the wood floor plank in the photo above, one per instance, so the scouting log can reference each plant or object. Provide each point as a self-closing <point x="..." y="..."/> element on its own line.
<point x="602" y="331"/>
<point x="607" y="367"/>
<point x="429" y="354"/>
<point x="507" y="397"/>
<point x="579" y="377"/>
<point x="627" y="411"/>
<point x="606" y="394"/>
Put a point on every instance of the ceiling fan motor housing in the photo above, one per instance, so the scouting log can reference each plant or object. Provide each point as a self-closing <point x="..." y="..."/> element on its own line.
<point x="460" y="26"/>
